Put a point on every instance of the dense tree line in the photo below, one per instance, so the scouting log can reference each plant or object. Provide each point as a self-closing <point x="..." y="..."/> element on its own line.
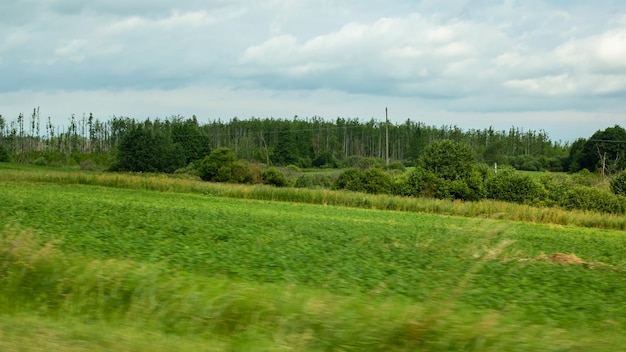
<point x="449" y="163"/>
<point x="605" y="150"/>
<point x="303" y="142"/>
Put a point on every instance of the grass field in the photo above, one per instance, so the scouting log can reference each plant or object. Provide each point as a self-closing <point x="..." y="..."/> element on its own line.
<point x="88" y="267"/>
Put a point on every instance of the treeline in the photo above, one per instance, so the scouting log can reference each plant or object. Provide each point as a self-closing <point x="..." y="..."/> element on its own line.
<point x="304" y="142"/>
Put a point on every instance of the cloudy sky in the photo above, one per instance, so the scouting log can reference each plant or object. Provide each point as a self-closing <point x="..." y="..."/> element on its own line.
<point x="558" y="66"/>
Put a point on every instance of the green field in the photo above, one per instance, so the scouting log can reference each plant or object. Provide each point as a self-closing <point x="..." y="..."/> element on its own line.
<point x="88" y="267"/>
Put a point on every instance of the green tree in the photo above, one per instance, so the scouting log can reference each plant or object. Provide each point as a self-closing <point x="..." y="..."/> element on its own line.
<point x="148" y="148"/>
<point x="351" y="180"/>
<point x="217" y="166"/>
<point x="377" y="181"/>
<point x="4" y="154"/>
<point x="286" y="151"/>
<point x="188" y="135"/>
<point x="618" y="183"/>
<point x="512" y="186"/>
<point x="448" y="159"/>
<point x="274" y="177"/>
<point x="605" y="150"/>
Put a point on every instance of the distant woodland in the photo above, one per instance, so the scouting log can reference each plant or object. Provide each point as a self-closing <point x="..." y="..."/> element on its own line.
<point x="298" y="141"/>
<point x="303" y="142"/>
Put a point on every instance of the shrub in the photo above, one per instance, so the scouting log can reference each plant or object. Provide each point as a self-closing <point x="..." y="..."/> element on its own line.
<point x="325" y="159"/>
<point x="475" y="186"/>
<point x="274" y="177"/>
<point x="448" y="159"/>
<point x="593" y="199"/>
<point x="304" y="181"/>
<point x="256" y="173"/>
<point x="314" y="181"/>
<point x="408" y="184"/>
<point x="351" y="179"/>
<point x="512" y="186"/>
<point x="585" y="177"/>
<point x="556" y="186"/>
<point x="219" y="159"/>
<point x="240" y="173"/>
<point x="370" y="162"/>
<point x="292" y="167"/>
<point x="618" y="183"/>
<point x="396" y="165"/>
<point x="525" y="163"/>
<point x="41" y="161"/>
<point x="377" y="181"/>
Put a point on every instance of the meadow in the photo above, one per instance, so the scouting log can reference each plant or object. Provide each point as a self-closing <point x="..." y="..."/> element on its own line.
<point x="100" y="262"/>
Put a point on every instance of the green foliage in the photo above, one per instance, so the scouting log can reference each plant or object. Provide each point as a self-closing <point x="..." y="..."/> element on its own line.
<point x="356" y="279"/>
<point x="351" y="180"/>
<point x="525" y="163"/>
<point x="593" y="199"/>
<point x="448" y="159"/>
<point x="585" y="177"/>
<point x="512" y="186"/>
<point x="396" y="165"/>
<point x="188" y="135"/>
<point x="574" y="159"/>
<point x="314" y="181"/>
<point x="274" y="177"/>
<point x="618" y="183"/>
<point x="218" y="166"/>
<point x="494" y="153"/>
<point x="376" y="181"/>
<point x="556" y="186"/>
<point x="409" y="184"/>
<point x="4" y="154"/>
<point x="608" y="144"/>
<point x="148" y="148"/>
<point x="326" y="160"/>
<point x="162" y="183"/>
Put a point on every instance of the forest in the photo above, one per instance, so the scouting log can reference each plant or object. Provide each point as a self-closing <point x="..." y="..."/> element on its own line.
<point x="304" y="142"/>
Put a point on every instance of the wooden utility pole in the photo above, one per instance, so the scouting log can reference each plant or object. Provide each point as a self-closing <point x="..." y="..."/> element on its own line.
<point x="387" y="136"/>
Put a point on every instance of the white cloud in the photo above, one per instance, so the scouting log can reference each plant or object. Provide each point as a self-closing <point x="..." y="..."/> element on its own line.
<point x="457" y="56"/>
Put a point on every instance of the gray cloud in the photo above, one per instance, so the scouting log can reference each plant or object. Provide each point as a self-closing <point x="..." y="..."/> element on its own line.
<point x="477" y="57"/>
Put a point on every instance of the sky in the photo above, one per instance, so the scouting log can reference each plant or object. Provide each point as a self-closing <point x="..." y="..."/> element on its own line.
<point x="557" y="66"/>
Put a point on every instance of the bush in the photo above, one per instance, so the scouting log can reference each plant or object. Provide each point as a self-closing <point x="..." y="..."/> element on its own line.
<point x="326" y="160"/>
<point x="512" y="186"/>
<point x="408" y="184"/>
<point x="525" y="163"/>
<point x="556" y="186"/>
<point x="396" y="165"/>
<point x="240" y="173"/>
<point x="304" y="181"/>
<point x="217" y="165"/>
<point x="618" y="183"/>
<point x="371" y="162"/>
<point x="274" y="177"/>
<point x="377" y="181"/>
<point x="448" y="159"/>
<point x="593" y="199"/>
<point x="585" y="177"/>
<point x="314" y="181"/>
<point x="351" y="179"/>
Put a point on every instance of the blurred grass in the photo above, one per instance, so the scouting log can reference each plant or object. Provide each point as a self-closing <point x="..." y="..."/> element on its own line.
<point x="52" y="301"/>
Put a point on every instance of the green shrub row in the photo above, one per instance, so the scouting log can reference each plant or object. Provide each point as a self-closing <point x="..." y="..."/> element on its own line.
<point x="508" y="185"/>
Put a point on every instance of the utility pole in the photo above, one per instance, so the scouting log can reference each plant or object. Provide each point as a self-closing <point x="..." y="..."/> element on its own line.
<point x="387" y="136"/>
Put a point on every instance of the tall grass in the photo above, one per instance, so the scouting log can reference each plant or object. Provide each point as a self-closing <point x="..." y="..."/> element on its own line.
<point x="39" y="280"/>
<point x="163" y="183"/>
